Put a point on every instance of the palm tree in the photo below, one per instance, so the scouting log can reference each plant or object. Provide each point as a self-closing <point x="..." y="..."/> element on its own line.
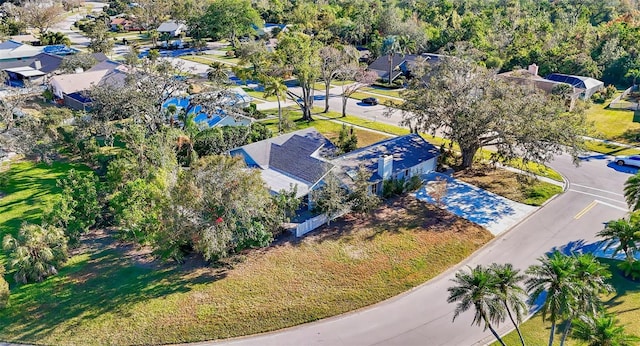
<point x="275" y="87"/>
<point x="477" y="289"/>
<point x="632" y="192"/>
<point x="36" y="252"/>
<point x="554" y="276"/>
<point x="154" y="35"/>
<point x="591" y="276"/>
<point x="510" y="293"/>
<point x="390" y="47"/>
<point x="602" y="331"/>
<point x="623" y="234"/>
<point x="217" y="73"/>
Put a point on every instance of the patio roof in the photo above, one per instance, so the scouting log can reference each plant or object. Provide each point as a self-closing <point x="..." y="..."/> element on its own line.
<point x="26" y="71"/>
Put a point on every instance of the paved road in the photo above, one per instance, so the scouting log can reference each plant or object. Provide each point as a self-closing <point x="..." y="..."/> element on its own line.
<point x="77" y="38"/>
<point x="422" y="316"/>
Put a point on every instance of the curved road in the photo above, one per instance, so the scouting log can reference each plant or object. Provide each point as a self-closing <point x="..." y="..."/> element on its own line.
<point x="422" y="316"/>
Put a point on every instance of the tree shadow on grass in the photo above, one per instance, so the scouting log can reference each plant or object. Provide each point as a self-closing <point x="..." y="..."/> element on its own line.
<point x="394" y="215"/>
<point x="103" y="282"/>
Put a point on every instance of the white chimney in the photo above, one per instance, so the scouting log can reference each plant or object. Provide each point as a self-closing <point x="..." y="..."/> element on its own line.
<point x="37" y="65"/>
<point x="533" y="69"/>
<point x="385" y="166"/>
<point x="79" y="70"/>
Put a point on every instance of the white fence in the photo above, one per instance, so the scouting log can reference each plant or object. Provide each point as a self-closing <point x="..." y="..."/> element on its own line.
<point x="313" y="223"/>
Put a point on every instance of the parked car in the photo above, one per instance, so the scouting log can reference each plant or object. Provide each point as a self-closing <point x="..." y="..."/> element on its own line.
<point x="370" y="101"/>
<point x="630" y="160"/>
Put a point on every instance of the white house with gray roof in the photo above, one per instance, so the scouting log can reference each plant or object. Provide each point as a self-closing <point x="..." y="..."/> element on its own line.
<point x="394" y="158"/>
<point x="304" y="158"/>
<point x="299" y="158"/>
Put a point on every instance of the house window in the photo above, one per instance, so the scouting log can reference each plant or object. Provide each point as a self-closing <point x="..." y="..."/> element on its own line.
<point x="374" y="189"/>
<point x="406" y="173"/>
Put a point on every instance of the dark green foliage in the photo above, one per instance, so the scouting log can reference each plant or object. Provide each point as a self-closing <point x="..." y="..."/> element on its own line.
<point x="218" y="140"/>
<point x="331" y="199"/>
<point x="347" y="139"/>
<point x="361" y="199"/>
<point x="36" y="253"/>
<point x="413" y="183"/>
<point x="77" y="208"/>
<point x="4" y="289"/>
<point x="393" y="187"/>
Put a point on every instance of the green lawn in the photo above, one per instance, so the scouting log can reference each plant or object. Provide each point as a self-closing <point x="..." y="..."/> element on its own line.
<point x="383" y="91"/>
<point x="209" y="59"/>
<point x="260" y="95"/>
<point x="613" y="124"/>
<point x="29" y="189"/>
<point x="624" y="305"/>
<point x="610" y="149"/>
<point x="325" y="126"/>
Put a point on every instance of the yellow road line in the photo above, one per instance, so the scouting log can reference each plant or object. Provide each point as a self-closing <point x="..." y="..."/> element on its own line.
<point x="585" y="210"/>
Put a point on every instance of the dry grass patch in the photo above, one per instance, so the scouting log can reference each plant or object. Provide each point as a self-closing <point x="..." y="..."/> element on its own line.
<point x="513" y="186"/>
<point x="104" y="298"/>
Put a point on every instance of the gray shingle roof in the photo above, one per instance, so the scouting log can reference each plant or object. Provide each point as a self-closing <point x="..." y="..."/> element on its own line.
<point x="302" y="155"/>
<point x="293" y="157"/>
<point x="408" y="151"/>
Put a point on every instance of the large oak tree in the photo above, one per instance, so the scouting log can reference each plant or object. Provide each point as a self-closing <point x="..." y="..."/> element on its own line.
<point x="473" y="107"/>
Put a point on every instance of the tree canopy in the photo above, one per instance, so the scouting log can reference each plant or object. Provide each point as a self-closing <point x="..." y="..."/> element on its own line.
<point x="473" y="107"/>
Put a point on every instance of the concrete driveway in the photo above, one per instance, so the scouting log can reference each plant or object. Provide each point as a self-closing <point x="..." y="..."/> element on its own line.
<point x="495" y="213"/>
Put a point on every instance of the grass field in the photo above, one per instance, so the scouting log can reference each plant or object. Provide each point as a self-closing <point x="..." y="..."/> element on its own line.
<point x="624" y="305"/>
<point x="325" y="126"/>
<point x="613" y="124"/>
<point x="383" y="91"/>
<point x="506" y="184"/>
<point x="610" y="149"/>
<point x="29" y="189"/>
<point x="110" y="295"/>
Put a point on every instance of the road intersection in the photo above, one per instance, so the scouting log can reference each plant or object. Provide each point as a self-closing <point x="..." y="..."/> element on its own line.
<point x="422" y="316"/>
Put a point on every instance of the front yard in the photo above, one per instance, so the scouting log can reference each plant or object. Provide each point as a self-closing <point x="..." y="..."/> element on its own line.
<point x="115" y="294"/>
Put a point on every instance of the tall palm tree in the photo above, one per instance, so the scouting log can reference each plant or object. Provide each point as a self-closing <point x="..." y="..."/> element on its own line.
<point x="554" y="276"/>
<point x="275" y="87"/>
<point x="632" y="192"/>
<point x="592" y="277"/>
<point x="603" y="331"/>
<point x="477" y="288"/>
<point x="623" y="234"/>
<point x="510" y="293"/>
<point x="217" y="73"/>
<point x="390" y="47"/>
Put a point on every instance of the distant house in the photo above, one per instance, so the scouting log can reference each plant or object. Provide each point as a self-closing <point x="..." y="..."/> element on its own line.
<point x="400" y="64"/>
<point x="588" y="84"/>
<point x="530" y="77"/>
<point x="32" y="69"/>
<point x="172" y="27"/>
<point x="71" y="89"/>
<point x="12" y="50"/>
<point x="299" y="158"/>
<point x="270" y="29"/>
<point x="395" y="158"/>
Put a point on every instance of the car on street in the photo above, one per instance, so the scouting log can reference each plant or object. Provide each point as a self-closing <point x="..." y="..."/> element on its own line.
<point x="370" y="101"/>
<point x="628" y="160"/>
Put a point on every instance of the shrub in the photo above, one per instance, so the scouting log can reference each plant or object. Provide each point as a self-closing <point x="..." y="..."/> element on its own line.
<point x="630" y="269"/>
<point x="413" y="183"/>
<point x="36" y="253"/>
<point x="230" y="54"/>
<point x="393" y="187"/>
<point x="4" y="180"/>
<point x="4" y="289"/>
